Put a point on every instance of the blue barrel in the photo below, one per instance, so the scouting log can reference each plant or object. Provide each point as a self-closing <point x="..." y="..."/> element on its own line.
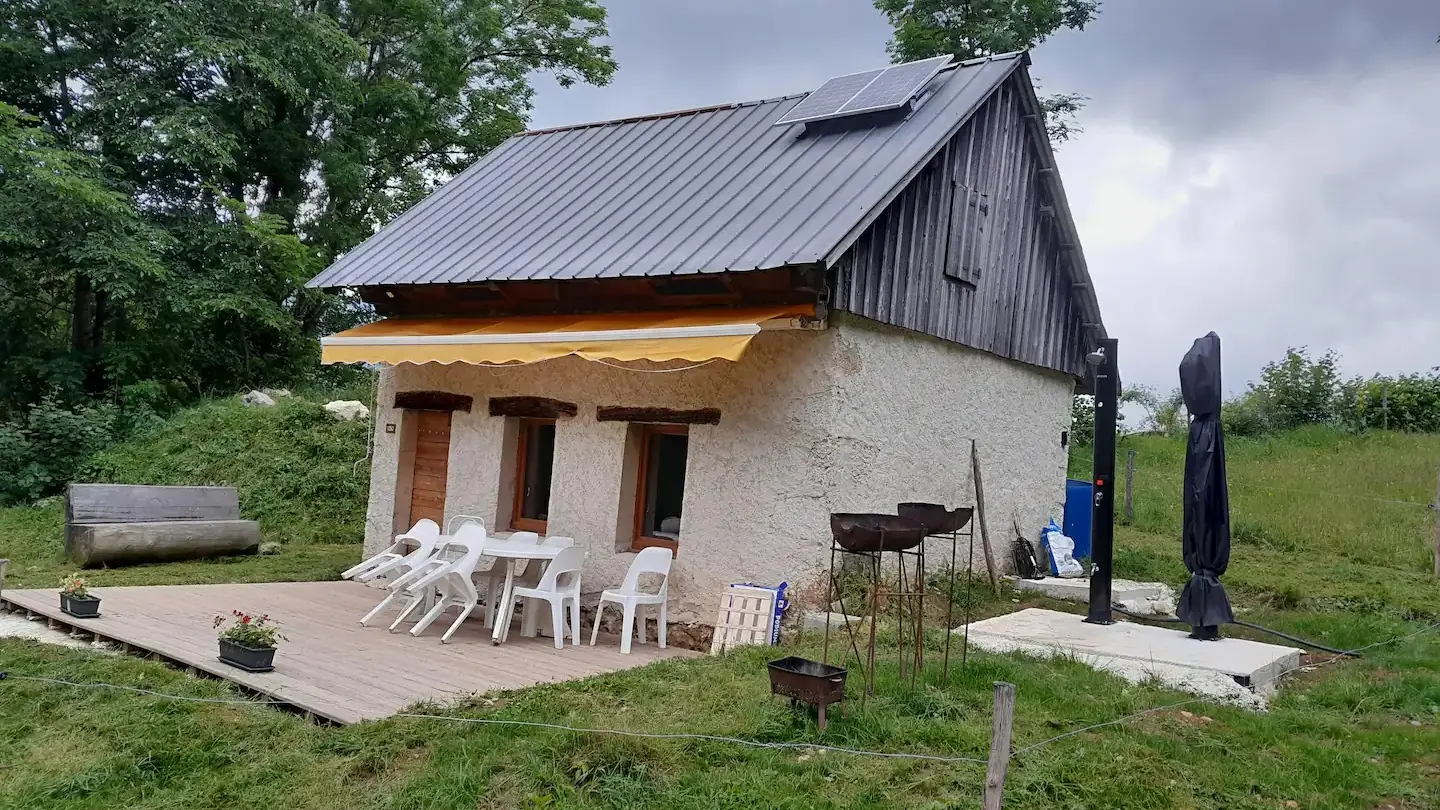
<point x="1079" y="509"/>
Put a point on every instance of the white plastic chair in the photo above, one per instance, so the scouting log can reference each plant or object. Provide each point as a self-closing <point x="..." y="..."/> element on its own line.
<point x="394" y="556"/>
<point x="424" y="559"/>
<point x="629" y="597"/>
<point x="439" y="556"/>
<point x="560" y="586"/>
<point x="534" y="570"/>
<point x="452" y="580"/>
<point x="462" y="520"/>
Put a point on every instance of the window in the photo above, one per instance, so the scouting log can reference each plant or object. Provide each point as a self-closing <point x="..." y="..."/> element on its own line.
<point x="660" y="485"/>
<point x="534" y="462"/>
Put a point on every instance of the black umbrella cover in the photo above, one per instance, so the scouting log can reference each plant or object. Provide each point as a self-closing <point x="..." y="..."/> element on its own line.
<point x="1203" y="603"/>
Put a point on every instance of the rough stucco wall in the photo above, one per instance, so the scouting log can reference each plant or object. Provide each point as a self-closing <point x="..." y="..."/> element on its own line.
<point x="855" y="418"/>
<point x="912" y="404"/>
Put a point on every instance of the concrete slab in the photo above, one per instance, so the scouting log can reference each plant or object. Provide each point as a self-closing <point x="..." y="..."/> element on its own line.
<point x="1145" y="598"/>
<point x="1238" y="670"/>
<point x="1077" y="589"/>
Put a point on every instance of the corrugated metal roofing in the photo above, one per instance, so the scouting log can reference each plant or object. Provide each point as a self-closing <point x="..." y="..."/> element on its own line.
<point x="701" y="191"/>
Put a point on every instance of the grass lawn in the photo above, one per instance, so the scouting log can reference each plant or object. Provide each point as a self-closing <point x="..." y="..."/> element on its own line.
<point x="1359" y="735"/>
<point x="1332" y="566"/>
<point x="1321" y="520"/>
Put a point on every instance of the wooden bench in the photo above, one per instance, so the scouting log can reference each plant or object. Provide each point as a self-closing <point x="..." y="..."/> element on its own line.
<point x="115" y="524"/>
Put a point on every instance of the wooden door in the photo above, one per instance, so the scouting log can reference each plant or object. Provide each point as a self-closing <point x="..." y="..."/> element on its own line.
<point x="432" y="462"/>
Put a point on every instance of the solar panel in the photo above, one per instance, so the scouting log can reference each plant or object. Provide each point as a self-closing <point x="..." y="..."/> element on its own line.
<point x="828" y="98"/>
<point x="895" y="87"/>
<point x="871" y="91"/>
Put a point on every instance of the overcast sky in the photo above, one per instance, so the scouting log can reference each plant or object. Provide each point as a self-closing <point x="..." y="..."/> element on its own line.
<point x="1268" y="169"/>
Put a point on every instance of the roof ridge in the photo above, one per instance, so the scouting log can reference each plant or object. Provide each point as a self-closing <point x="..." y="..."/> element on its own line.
<point x="734" y="105"/>
<point x="635" y="119"/>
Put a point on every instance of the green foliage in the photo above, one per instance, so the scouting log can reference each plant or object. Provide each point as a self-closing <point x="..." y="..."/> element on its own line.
<point x="1297" y="390"/>
<point x="73" y="585"/>
<point x="175" y="172"/>
<point x="300" y="472"/>
<point x="1408" y="402"/>
<point x="1082" y="420"/>
<point x="250" y="631"/>
<point x="39" y="455"/>
<point x="968" y="29"/>
<point x="1300" y="391"/>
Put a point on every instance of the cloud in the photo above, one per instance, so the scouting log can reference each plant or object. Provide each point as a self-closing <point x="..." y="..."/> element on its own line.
<point x="1311" y="227"/>
<point x="1268" y="170"/>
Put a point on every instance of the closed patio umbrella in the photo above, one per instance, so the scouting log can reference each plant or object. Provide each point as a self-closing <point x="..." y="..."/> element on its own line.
<point x="1206" y="536"/>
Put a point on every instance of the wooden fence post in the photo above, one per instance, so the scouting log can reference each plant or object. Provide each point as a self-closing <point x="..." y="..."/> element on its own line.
<point x="1130" y="485"/>
<point x="980" y="516"/>
<point x="1436" y="508"/>
<point x="1001" y="723"/>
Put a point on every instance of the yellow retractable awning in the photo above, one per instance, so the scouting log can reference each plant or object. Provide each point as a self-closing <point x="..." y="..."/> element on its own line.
<point x="694" y="335"/>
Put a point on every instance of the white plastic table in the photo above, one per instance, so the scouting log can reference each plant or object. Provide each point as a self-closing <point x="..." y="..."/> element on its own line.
<point x="511" y="552"/>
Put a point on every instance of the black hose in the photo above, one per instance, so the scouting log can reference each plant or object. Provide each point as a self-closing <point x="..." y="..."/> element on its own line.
<point x="1286" y="636"/>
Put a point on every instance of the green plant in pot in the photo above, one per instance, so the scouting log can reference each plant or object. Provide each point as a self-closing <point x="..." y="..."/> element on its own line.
<point x="249" y="641"/>
<point x="76" y="600"/>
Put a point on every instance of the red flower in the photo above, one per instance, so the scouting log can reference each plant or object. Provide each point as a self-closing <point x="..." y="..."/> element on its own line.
<point x="244" y="619"/>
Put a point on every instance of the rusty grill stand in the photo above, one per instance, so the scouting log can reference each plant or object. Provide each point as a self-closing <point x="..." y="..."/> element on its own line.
<point x="909" y="593"/>
<point x="968" y="532"/>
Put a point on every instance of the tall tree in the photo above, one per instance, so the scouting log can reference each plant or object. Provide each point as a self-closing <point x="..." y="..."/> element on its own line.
<point x="61" y="228"/>
<point x="256" y="140"/>
<point x="973" y="28"/>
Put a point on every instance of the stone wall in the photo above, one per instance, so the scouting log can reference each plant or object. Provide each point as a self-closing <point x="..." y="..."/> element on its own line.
<point x="855" y="418"/>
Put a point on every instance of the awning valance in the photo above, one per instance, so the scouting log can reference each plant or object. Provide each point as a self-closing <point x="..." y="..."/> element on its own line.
<point x="694" y="335"/>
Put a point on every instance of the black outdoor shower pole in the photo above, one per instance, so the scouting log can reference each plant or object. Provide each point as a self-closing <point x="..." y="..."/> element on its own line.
<point x="1102" y="524"/>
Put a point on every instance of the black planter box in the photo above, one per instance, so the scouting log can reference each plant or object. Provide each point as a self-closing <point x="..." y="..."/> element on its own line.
<point x="81" y="608"/>
<point x="250" y="659"/>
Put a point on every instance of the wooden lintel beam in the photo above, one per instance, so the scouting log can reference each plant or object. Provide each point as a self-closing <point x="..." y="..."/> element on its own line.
<point x="433" y="401"/>
<point x="532" y="407"/>
<point x="619" y="413"/>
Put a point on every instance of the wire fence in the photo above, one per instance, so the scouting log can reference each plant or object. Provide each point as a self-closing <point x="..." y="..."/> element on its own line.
<point x="715" y="738"/>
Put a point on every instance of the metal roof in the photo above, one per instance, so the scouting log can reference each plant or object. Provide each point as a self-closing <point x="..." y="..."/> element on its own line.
<point x="697" y="191"/>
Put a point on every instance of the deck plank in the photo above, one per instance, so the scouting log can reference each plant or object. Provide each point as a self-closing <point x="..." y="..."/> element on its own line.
<point x="330" y="666"/>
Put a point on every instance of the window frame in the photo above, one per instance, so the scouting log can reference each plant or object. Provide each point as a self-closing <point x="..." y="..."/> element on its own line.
<point x="648" y="433"/>
<point x="523" y="426"/>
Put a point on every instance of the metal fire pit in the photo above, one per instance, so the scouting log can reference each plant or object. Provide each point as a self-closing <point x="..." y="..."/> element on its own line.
<point x="806" y="681"/>
<point x="937" y="519"/>
<point x="866" y="532"/>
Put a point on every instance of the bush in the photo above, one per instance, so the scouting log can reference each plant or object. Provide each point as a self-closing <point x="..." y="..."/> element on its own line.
<point x="41" y="455"/>
<point x="1409" y="402"/>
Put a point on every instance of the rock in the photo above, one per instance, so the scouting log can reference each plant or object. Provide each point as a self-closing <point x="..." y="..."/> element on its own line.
<point x="276" y="393"/>
<point x="817" y="620"/>
<point x="347" y="410"/>
<point x="257" y="399"/>
<point x="687" y="636"/>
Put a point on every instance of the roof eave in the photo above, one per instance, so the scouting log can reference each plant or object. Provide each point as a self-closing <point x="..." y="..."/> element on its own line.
<point x="853" y="235"/>
<point x="1084" y="285"/>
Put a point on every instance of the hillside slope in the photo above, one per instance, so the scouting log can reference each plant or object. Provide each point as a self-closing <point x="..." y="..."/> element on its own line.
<point x="1321" y="518"/>
<point x="299" y="472"/>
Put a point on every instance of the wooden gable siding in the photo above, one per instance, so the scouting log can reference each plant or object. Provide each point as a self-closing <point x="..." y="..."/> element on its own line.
<point x="968" y="252"/>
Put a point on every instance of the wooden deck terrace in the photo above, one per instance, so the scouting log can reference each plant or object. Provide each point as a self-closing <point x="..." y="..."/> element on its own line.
<point x="331" y="667"/>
